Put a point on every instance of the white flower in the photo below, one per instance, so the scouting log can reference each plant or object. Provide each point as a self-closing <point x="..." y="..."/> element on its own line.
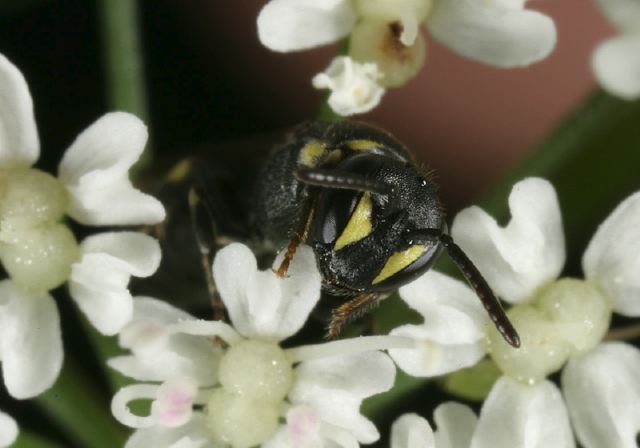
<point x="40" y="252"/>
<point x="616" y="61"/>
<point x="8" y="430"/>
<point x="557" y="319"/>
<point x="234" y="394"/>
<point x="501" y="33"/>
<point x="514" y="415"/>
<point x="353" y="86"/>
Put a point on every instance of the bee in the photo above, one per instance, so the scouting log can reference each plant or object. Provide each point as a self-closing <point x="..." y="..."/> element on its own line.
<point x="372" y="216"/>
<point x="351" y="192"/>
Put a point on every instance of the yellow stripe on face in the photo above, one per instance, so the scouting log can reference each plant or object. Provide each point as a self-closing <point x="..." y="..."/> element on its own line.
<point x="311" y="152"/>
<point x="361" y="145"/>
<point x="359" y="225"/>
<point x="399" y="261"/>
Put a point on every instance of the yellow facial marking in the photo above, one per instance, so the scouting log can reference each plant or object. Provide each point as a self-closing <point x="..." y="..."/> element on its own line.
<point x="399" y="261"/>
<point x="333" y="158"/>
<point x="360" y="145"/>
<point x="311" y="151"/>
<point x="359" y="225"/>
<point x="180" y="171"/>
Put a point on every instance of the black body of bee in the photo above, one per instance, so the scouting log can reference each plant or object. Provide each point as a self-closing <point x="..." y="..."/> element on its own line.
<point x="373" y="218"/>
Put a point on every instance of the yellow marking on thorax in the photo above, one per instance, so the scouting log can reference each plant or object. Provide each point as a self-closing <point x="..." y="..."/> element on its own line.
<point x="361" y="145"/>
<point x="359" y="225"/>
<point x="180" y="171"/>
<point x="311" y="152"/>
<point x="399" y="261"/>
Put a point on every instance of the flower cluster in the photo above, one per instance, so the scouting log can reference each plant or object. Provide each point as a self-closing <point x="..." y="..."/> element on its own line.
<point x="561" y="322"/>
<point x="209" y="394"/>
<point x="242" y="383"/>
<point x="246" y="390"/>
<point x="40" y="252"/>
<point x="386" y="47"/>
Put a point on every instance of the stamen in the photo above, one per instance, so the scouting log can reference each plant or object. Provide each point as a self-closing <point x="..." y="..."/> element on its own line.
<point x="348" y="347"/>
<point x="120" y="408"/>
<point x="206" y="328"/>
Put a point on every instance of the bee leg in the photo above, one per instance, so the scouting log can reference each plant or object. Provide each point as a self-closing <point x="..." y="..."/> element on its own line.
<point x="299" y="235"/>
<point x="351" y="310"/>
<point x="208" y="241"/>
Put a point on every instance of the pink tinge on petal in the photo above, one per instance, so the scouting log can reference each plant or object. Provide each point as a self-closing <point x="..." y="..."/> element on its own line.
<point x="144" y="337"/>
<point x="173" y="405"/>
<point x="303" y="424"/>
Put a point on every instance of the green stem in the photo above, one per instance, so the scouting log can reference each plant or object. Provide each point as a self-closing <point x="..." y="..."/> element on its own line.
<point x="106" y="347"/>
<point x="27" y="439"/>
<point x="592" y="161"/>
<point x="123" y="61"/>
<point x="628" y="333"/>
<point x="76" y="406"/>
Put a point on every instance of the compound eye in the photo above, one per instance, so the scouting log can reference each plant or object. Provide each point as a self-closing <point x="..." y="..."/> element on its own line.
<point x="343" y="215"/>
<point x="334" y="211"/>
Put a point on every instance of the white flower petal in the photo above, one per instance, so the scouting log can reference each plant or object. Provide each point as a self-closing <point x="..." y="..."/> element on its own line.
<point x="95" y="171"/>
<point x="304" y="429"/>
<point x="336" y="386"/>
<point x="354" y="87"/>
<point x="191" y="435"/>
<point x="452" y="335"/>
<point x="158" y="311"/>
<point x="456" y="424"/>
<point x="625" y="14"/>
<point x="30" y="342"/>
<point x="8" y="430"/>
<point x="517" y="415"/>
<point x="525" y="254"/>
<point x="290" y="25"/>
<point x="411" y="431"/>
<point x="430" y="358"/>
<point x="260" y="303"/>
<point x="434" y="292"/>
<point x="603" y="396"/>
<point x="19" y="143"/>
<point x="282" y="439"/>
<point x="611" y="259"/>
<point x="616" y="64"/>
<point x="159" y="356"/>
<point x="173" y="405"/>
<point x="494" y="32"/>
<point x="98" y="282"/>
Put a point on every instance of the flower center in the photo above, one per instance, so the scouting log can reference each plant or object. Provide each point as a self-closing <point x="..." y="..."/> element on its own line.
<point x="388" y="35"/>
<point x="565" y="318"/>
<point x="35" y="248"/>
<point x="393" y="10"/>
<point x="255" y="377"/>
